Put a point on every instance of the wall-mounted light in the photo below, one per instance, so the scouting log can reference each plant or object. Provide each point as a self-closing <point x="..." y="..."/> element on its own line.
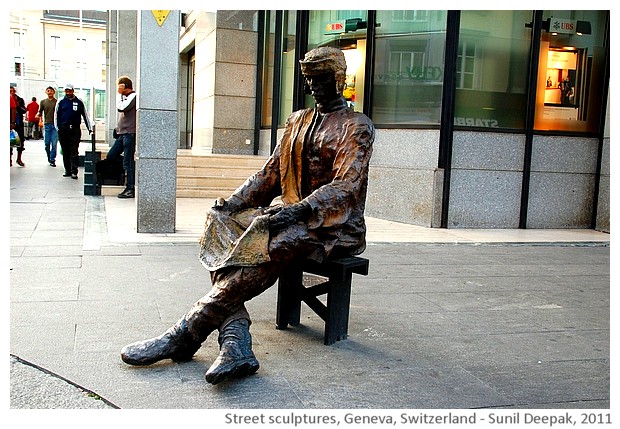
<point x="583" y="27"/>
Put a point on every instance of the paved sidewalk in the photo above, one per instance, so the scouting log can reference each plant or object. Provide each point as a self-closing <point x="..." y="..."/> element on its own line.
<point x="446" y="319"/>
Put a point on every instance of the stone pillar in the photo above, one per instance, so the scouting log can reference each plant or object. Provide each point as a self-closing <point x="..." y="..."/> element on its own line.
<point x="111" y="67"/>
<point x="224" y="82"/>
<point x="234" y="87"/>
<point x="157" y="121"/>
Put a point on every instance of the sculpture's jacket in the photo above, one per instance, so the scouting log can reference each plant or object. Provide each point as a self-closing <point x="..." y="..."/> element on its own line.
<point x="322" y="158"/>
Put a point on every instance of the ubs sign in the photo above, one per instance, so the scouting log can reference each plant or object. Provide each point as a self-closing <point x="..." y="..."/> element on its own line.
<point x="562" y="26"/>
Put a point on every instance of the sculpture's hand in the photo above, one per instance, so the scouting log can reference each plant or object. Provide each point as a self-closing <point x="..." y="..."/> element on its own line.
<point x="283" y="216"/>
<point x="219" y="204"/>
<point x="226" y="206"/>
<point x="271" y="210"/>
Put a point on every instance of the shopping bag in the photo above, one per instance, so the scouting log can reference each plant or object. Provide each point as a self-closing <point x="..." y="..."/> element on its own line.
<point x="15" y="141"/>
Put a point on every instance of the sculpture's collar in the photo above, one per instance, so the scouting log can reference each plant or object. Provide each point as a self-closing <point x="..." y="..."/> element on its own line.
<point x="332" y="106"/>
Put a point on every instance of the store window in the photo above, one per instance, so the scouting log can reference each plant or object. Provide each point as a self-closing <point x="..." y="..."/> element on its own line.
<point x="100" y="104"/>
<point x="346" y="30"/>
<point x="84" y="95"/>
<point x="492" y="69"/>
<point x="409" y="58"/>
<point x="571" y="71"/>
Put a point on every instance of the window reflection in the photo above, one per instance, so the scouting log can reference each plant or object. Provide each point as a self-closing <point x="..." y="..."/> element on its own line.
<point x="492" y="66"/>
<point x="409" y="56"/>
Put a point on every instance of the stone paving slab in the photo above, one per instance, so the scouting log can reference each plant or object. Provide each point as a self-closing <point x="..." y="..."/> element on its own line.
<point x="504" y="319"/>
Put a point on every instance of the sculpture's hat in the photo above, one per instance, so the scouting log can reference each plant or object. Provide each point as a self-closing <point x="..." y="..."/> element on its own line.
<point x="323" y="60"/>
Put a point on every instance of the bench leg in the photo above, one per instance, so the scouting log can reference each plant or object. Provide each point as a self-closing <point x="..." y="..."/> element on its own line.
<point x="338" y="300"/>
<point x="288" y="309"/>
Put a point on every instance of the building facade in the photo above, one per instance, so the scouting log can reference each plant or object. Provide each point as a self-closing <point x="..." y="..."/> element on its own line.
<point x="56" y="47"/>
<point x="485" y="119"/>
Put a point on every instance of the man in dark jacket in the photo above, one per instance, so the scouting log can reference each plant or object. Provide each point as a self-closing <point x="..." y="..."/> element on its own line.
<point x="320" y="170"/>
<point x="67" y="119"/>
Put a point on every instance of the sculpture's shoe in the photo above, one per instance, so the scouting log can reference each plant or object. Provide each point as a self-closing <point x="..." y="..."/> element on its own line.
<point x="176" y="344"/>
<point x="236" y="358"/>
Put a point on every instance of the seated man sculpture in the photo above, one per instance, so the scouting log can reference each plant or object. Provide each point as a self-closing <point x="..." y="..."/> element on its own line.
<point x="319" y="171"/>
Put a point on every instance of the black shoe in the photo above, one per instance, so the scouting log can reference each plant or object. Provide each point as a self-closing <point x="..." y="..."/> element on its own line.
<point x="74" y="176"/>
<point x="176" y="344"/>
<point x="127" y="193"/>
<point x="66" y="174"/>
<point x="52" y="164"/>
<point x="236" y="358"/>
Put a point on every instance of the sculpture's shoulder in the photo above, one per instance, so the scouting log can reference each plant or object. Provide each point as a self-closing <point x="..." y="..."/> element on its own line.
<point x="359" y="122"/>
<point x="361" y="119"/>
<point x="300" y="115"/>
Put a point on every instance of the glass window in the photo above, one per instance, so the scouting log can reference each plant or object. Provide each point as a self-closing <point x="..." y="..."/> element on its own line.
<point x="571" y="70"/>
<point x="54" y="43"/>
<point x="80" y="70"/>
<point x="268" y="65"/>
<point x="17" y="40"/>
<point x="54" y="69"/>
<point x="84" y="95"/>
<point x="346" y="30"/>
<point x="100" y="104"/>
<point x="409" y="57"/>
<point x="410" y="15"/>
<point x="492" y="69"/>
<point x="288" y="66"/>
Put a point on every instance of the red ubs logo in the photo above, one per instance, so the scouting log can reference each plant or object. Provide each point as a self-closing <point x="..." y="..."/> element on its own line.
<point x="336" y="26"/>
<point x="565" y="26"/>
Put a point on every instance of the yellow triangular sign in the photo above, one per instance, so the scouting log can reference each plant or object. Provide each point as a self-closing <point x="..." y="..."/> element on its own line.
<point x="160" y="16"/>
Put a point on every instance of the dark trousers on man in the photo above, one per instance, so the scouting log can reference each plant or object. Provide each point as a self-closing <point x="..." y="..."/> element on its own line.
<point x="69" y="139"/>
<point x="125" y="144"/>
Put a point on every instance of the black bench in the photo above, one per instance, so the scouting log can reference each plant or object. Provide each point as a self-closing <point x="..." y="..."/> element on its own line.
<point x="292" y="291"/>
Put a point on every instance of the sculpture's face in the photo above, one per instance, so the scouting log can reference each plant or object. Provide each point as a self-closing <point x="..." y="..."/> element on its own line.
<point x="322" y="87"/>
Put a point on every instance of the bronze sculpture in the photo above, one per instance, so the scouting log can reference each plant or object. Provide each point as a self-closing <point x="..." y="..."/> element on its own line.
<point x="319" y="170"/>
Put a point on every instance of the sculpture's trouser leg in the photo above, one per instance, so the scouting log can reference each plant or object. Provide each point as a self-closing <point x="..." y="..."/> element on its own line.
<point x="232" y="287"/>
<point x="176" y="344"/>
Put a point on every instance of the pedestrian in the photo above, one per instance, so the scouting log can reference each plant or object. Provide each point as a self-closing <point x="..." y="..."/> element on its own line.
<point x="33" y="121"/>
<point x="50" y="134"/>
<point x="125" y="134"/>
<point x="18" y="125"/>
<point x="319" y="168"/>
<point x="67" y="119"/>
<point x="13" y="112"/>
